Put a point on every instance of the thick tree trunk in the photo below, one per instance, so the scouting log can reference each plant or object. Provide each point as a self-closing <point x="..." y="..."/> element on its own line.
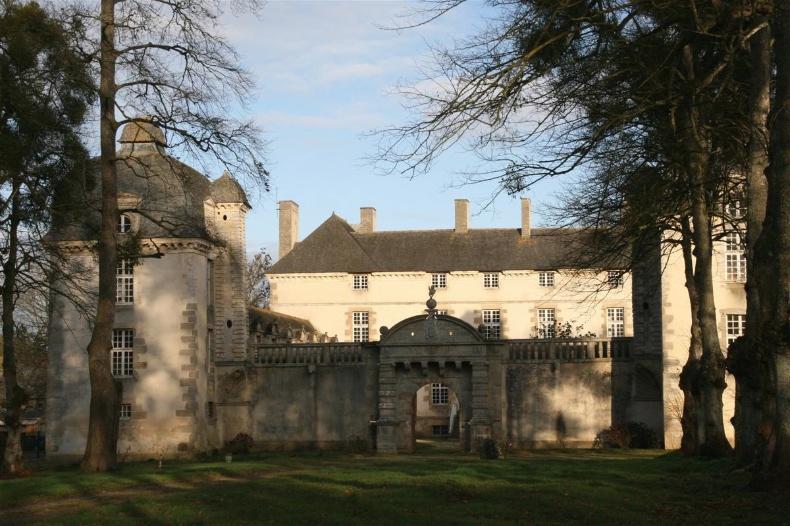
<point x="772" y="272"/>
<point x="689" y="376"/>
<point x="100" y="451"/>
<point x="713" y="441"/>
<point x="742" y="359"/>
<point x="11" y="460"/>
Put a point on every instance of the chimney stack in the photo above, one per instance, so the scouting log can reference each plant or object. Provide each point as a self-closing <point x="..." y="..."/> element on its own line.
<point x="289" y="226"/>
<point x="526" y="217"/>
<point x="367" y="220"/>
<point x="461" y="216"/>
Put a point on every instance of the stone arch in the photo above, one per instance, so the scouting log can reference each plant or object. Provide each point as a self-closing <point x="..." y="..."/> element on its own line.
<point x="416" y="331"/>
<point x="422" y="350"/>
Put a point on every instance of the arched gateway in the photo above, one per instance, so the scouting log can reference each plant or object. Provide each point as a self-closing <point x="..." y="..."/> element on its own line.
<point x="526" y="393"/>
<point x="432" y="349"/>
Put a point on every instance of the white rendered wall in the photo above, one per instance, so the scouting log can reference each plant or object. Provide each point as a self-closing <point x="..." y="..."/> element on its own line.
<point x="168" y="390"/>
<point x="327" y="300"/>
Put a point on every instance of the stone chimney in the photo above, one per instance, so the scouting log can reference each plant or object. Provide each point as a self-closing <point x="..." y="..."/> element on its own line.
<point x="289" y="226"/>
<point x="461" y="216"/>
<point x="526" y="217"/>
<point x="367" y="220"/>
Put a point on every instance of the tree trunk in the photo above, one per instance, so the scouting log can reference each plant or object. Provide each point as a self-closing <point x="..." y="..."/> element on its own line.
<point x="11" y="460"/>
<point x="100" y="451"/>
<point x="772" y="273"/>
<point x="689" y="376"/>
<point x="713" y="441"/>
<point x="742" y="358"/>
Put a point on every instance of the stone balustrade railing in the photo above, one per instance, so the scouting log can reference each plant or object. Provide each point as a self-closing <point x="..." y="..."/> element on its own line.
<point x="569" y="349"/>
<point x="307" y="354"/>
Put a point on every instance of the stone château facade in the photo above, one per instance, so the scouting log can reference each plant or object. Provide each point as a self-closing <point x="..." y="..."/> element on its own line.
<point x="530" y="348"/>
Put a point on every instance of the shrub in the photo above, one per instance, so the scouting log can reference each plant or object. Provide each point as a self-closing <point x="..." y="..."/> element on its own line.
<point x="240" y="444"/>
<point x="489" y="449"/>
<point x="634" y="435"/>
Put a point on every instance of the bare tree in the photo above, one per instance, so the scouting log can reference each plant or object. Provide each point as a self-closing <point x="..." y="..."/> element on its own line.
<point x="258" y="285"/>
<point x="166" y="64"/>
<point x="568" y="87"/>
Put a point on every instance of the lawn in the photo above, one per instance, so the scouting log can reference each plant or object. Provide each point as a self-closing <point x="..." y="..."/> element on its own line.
<point x="430" y="487"/>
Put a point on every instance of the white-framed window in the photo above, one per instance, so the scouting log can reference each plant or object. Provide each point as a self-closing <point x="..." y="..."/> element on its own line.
<point x="122" y="357"/>
<point x="441" y="312"/>
<point x="736" y="326"/>
<point x="360" y="281"/>
<point x="546" y="279"/>
<point x="734" y="257"/>
<point x="124" y="282"/>
<point x="492" y="324"/>
<point x="439" y="280"/>
<point x="491" y="280"/>
<point x="615" y="322"/>
<point x="124" y="224"/>
<point x="440" y="394"/>
<point x="359" y="326"/>
<point x="614" y="278"/>
<point x="546" y="323"/>
<point x="126" y="411"/>
<point x="735" y="209"/>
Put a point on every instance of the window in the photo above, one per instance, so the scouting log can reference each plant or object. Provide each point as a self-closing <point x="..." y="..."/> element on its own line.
<point x="491" y="324"/>
<point x="440" y="394"/>
<point x="734" y="258"/>
<point x="491" y="280"/>
<point x="360" y="281"/>
<point x="210" y="410"/>
<point x="122" y="358"/>
<point x="124" y="224"/>
<point x="734" y="209"/>
<point x="440" y="430"/>
<point x="736" y="325"/>
<point x="210" y="345"/>
<point x="359" y="325"/>
<point x="126" y="411"/>
<point x="614" y="278"/>
<point x="124" y="282"/>
<point x="615" y="322"/>
<point x="439" y="281"/>
<point x="546" y="279"/>
<point x="441" y="312"/>
<point x="546" y="323"/>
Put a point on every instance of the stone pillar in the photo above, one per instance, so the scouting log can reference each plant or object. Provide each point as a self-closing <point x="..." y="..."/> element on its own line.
<point x="480" y="424"/>
<point x="387" y="422"/>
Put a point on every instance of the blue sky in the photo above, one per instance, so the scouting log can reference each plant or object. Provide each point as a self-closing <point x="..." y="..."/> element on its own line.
<point x="326" y="73"/>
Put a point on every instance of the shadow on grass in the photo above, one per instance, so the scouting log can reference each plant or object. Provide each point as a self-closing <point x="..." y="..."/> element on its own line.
<point x="541" y="487"/>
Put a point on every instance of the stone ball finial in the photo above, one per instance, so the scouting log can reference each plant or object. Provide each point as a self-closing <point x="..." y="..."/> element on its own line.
<point x="142" y="131"/>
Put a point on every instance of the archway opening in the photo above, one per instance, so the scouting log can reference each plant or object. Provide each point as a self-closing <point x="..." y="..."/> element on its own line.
<point x="437" y="417"/>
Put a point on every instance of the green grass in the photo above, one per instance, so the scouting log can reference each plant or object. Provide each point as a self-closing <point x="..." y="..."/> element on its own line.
<point x="430" y="487"/>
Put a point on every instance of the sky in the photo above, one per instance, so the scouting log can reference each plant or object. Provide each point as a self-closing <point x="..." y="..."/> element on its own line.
<point x="326" y="75"/>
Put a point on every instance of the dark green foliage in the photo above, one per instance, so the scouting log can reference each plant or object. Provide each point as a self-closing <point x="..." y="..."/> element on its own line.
<point x="241" y="444"/>
<point x="632" y="435"/>
<point x="489" y="449"/>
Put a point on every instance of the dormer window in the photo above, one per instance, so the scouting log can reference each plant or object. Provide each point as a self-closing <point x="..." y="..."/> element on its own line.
<point x="546" y="279"/>
<point x="491" y="280"/>
<point x="124" y="224"/>
<point x="439" y="281"/>
<point x="360" y="281"/>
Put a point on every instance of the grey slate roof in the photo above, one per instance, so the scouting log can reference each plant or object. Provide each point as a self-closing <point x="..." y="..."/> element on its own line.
<point x="227" y="190"/>
<point x="263" y="319"/>
<point x="336" y="247"/>
<point x="171" y="197"/>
